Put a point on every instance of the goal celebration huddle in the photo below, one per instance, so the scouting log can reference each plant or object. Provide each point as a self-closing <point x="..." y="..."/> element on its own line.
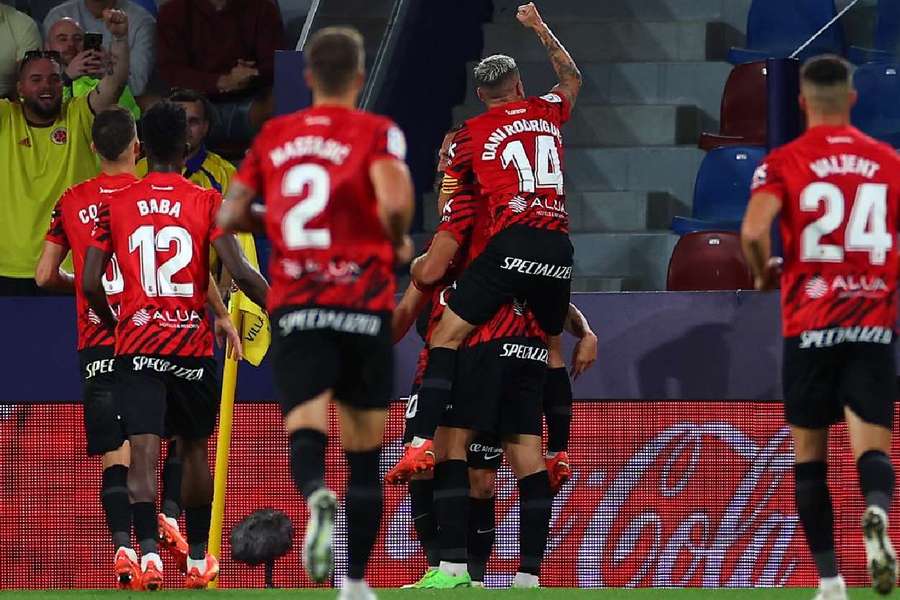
<point x="489" y="294"/>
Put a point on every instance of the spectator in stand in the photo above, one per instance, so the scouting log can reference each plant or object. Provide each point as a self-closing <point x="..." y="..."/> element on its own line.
<point x="206" y="169"/>
<point x="18" y="33"/>
<point x="141" y="34"/>
<point x="46" y="148"/>
<point x="226" y="50"/>
<point x="83" y="68"/>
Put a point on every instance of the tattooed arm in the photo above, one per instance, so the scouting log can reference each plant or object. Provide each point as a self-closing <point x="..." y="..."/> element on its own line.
<point x="565" y="67"/>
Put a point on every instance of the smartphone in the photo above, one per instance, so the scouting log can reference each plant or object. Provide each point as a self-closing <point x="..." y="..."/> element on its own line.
<point x="93" y="41"/>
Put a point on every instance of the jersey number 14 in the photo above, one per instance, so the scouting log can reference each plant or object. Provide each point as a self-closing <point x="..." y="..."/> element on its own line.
<point x="546" y="172"/>
<point x="866" y="229"/>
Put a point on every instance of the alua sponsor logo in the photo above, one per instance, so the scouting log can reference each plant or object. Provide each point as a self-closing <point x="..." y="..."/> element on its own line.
<point x="845" y="286"/>
<point x="169" y="318"/>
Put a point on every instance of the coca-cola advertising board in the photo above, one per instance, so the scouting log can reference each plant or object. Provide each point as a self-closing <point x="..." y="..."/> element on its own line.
<point x="663" y="494"/>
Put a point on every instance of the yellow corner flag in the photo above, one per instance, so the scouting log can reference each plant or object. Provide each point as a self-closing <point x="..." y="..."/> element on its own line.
<point x="253" y="324"/>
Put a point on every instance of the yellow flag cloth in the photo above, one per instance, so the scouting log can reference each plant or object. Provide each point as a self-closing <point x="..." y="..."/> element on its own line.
<point x="255" y="330"/>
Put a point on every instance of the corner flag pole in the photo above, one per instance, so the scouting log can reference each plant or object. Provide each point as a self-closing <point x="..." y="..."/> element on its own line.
<point x="223" y="442"/>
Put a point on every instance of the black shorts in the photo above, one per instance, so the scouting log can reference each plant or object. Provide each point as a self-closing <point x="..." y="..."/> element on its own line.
<point x="820" y="382"/>
<point x="498" y="388"/>
<point x="347" y="351"/>
<point x="104" y="427"/>
<point x="522" y="263"/>
<point x="485" y="452"/>
<point x="168" y="395"/>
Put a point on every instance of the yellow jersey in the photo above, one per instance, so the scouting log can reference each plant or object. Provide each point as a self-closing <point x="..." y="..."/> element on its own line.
<point x="207" y="169"/>
<point x="38" y="165"/>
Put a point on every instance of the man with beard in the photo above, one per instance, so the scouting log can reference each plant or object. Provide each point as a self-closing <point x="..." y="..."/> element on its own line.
<point x="46" y="147"/>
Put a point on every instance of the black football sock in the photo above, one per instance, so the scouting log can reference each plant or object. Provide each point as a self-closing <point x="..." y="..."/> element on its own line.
<point x="481" y="535"/>
<point x="145" y="526"/>
<point x="558" y="409"/>
<point x="421" y="495"/>
<point x="451" y="507"/>
<point x="117" y="505"/>
<point x="196" y="520"/>
<point x="816" y="514"/>
<point x="436" y="391"/>
<point x="364" y="503"/>
<point x="171" y="481"/>
<point x="876" y="479"/>
<point x="308" y="460"/>
<point x="535" y="505"/>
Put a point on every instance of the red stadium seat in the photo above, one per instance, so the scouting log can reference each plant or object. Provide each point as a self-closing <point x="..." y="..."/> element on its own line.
<point x="707" y="261"/>
<point x="744" y="111"/>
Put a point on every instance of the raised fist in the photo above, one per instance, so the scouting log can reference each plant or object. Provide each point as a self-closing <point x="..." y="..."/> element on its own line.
<point x="529" y="16"/>
<point x="116" y="22"/>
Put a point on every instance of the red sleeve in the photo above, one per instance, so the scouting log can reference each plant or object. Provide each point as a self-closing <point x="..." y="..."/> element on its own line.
<point x="251" y="174"/>
<point x="459" y="168"/>
<point x="558" y="105"/>
<point x="101" y="237"/>
<point x="269" y="38"/>
<point x="459" y="216"/>
<point x="389" y="142"/>
<point x="172" y="57"/>
<point x="768" y="178"/>
<point x="57" y="232"/>
<point x="215" y="202"/>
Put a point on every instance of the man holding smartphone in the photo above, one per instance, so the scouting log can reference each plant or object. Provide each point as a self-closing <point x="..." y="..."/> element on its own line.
<point x="85" y="61"/>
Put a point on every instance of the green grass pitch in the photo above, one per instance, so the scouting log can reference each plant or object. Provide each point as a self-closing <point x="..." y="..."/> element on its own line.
<point x="542" y="594"/>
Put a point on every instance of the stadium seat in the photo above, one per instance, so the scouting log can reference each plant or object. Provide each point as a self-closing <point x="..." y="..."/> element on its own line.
<point x="887" y="37"/>
<point x="722" y="189"/>
<point x="775" y="29"/>
<point x="744" y="109"/>
<point x="877" y="112"/>
<point x="708" y="261"/>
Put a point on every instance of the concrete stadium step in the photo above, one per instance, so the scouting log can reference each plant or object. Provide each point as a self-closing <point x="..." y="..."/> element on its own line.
<point x="665" y="168"/>
<point x="642" y="258"/>
<point x="684" y="83"/>
<point x="619" y="41"/>
<point x="729" y="11"/>
<point x="356" y="9"/>
<point x="621" y="125"/>
<point x="592" y="212"/>
<point x="599" y="284"/>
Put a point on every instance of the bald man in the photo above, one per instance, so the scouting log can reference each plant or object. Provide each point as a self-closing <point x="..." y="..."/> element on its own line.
<point x="83" y="68"/>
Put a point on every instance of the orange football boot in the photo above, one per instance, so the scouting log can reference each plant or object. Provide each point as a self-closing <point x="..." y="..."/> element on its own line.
<point x="174" y="543"/>
<point x="417" y="459"/>
<point x="152" y="577"/>
<point x="558" y="470"/>
<point x="128" y="569"/>
<point x="195" y="580"/>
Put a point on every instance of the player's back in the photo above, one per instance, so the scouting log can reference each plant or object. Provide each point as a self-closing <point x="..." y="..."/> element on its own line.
<point x="329" y="247"/>
<point x="160" y="228"/>
<point x="71" y="225"/>
<point x="516" y="152"/>
<point x="841" y="191"/>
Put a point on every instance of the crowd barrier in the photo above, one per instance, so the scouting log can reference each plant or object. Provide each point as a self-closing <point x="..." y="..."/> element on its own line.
<point x="669" y="489"/>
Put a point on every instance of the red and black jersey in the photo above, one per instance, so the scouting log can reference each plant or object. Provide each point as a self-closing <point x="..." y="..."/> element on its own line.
<point x="329" y="247"/>
<point x="71" y="226"/>
<point x="160" y="229"/>
<point x="515" y="154"/>
<point x="839" y="191"/>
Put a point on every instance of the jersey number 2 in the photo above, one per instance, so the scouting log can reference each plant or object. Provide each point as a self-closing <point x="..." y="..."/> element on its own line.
<point x="158" y="281"/>
<point x="866" y="229"/>
<point x="547" y="172"/>
<point x="314" y="179"/>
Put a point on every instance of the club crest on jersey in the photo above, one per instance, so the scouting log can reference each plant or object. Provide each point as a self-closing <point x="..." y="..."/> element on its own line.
<point x="59" y="136"/>
<point x="152" y="206"/>
<point x="850" y="286"/>
<point x="760" y="176"/>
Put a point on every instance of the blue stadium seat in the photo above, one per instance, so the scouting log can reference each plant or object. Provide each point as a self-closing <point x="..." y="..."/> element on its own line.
<point x="877" y="112"/>
<point x="721" y="190"/>
<point x="776" y="28"/>
<point x="887" y="37"/>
